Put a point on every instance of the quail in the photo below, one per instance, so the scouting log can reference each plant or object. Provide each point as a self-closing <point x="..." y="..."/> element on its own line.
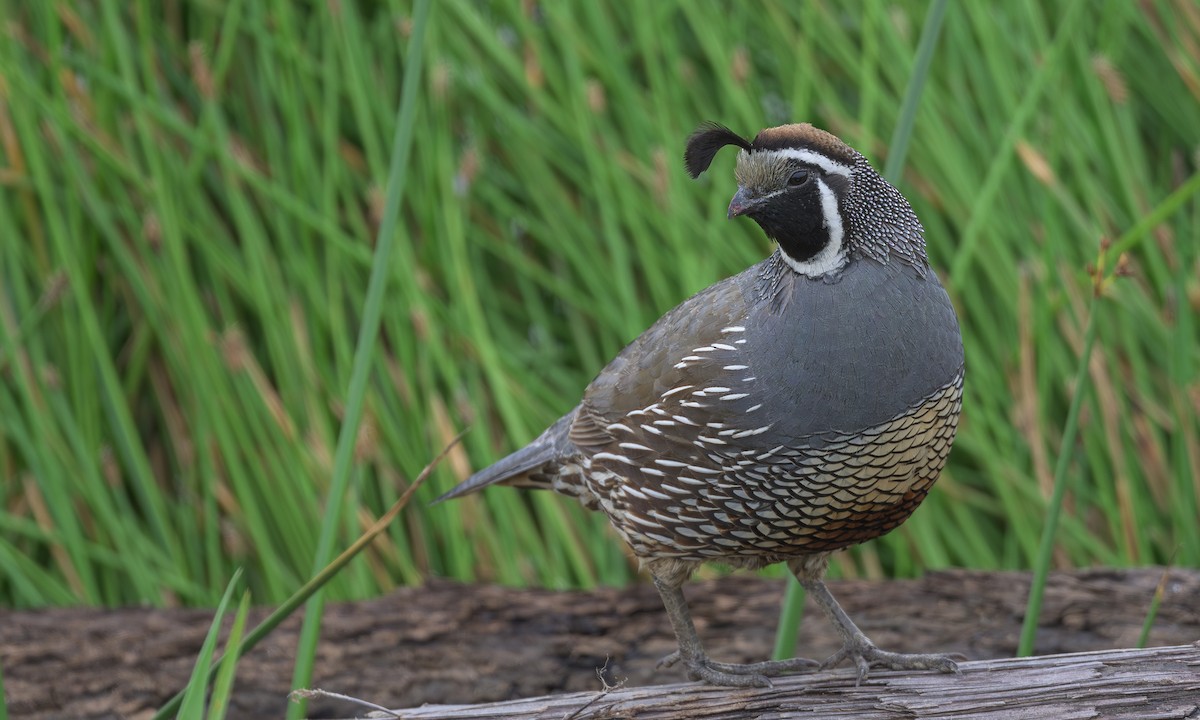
<point x="802" y="406"/>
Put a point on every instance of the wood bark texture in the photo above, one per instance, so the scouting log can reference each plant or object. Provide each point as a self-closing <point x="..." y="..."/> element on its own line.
<point x="449" y="643"/>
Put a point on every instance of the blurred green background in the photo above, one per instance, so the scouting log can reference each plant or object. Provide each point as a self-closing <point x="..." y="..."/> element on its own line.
<point x="190" y="193"/>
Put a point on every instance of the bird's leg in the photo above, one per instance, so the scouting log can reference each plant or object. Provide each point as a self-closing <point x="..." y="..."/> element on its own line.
<point x="691" y="652"/>
<point x="857" y="647"/>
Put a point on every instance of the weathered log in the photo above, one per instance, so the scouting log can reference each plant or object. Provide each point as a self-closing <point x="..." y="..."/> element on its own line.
<point x="1137" y="684"/>
<point x="453" y="643"/>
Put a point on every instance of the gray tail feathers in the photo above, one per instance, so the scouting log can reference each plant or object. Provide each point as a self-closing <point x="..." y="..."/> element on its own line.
<point x="547" y="448"/>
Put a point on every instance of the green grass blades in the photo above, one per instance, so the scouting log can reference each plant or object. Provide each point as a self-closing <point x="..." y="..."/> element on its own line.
<point x="1152" y="611"/>
<point x="193" y="192"/>
<point x="195" y="696"/>
<point x="222" y="689"/>
<point x="306" y="650"/>
<point x="364" y="352"/>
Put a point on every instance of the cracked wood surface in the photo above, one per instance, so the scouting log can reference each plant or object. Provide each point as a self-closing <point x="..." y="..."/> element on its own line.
<point x="1134" y="684"/>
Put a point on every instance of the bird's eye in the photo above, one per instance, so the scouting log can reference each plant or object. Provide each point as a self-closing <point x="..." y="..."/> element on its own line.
<point x="798" y="178"/>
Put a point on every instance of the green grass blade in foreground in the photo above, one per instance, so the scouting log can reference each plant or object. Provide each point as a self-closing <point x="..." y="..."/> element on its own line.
<point x="793" y="608"/>
<point x="1168" y="207"/>
<point x="223" y="687"/>
<point x="311" y="587"/>
<point x="192" y="703"/>
<point x="789" y="620"/>
<point x="364" y="350"/>
<point x="898" y="148"/>
<point x="1046" y="550"/>
<point x="1152" y="613"/>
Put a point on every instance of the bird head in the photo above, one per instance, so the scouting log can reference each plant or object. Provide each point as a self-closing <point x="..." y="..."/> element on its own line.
<point x="814" y="195"/>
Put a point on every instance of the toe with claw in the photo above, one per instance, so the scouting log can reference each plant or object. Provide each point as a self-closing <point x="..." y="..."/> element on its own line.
<point x="865" y="655"/>
<point x="738" y="674"/>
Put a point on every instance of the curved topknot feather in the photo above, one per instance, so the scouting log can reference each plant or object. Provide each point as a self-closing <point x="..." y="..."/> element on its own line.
<point x="703" y="144"/>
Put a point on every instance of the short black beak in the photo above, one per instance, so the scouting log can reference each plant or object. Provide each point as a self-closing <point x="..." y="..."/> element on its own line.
<point x="742" y="203"/>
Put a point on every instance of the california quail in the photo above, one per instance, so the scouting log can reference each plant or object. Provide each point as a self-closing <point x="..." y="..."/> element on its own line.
<point x="801" y="406"/>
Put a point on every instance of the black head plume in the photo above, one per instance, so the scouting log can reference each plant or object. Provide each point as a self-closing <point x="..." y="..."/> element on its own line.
<point x="703" y="144"/>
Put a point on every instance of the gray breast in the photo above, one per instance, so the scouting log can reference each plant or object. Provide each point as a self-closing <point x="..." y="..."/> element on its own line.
<point x="838" y="357"/>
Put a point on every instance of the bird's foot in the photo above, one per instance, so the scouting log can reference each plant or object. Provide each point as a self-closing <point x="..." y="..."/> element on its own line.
<point x="738" y="674"/>
<point x="863" y="653"/>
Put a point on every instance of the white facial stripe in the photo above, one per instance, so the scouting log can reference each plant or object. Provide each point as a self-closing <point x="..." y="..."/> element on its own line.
<point x="832" y="257"/>
<point x="811" y="158"/>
